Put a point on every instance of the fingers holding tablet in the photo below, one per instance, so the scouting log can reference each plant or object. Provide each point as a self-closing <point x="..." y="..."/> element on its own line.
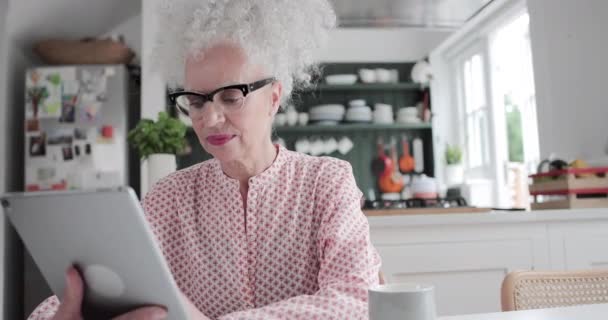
<point x="146" y="313"/>
<point x="70" y="307"/>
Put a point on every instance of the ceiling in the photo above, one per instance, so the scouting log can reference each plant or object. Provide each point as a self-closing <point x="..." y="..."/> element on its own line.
<point x="31" y="20"/>
<point x="440" y="14"/>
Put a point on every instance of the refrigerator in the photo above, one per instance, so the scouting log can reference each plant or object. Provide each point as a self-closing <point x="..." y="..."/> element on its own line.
<point x="76" y="123"/>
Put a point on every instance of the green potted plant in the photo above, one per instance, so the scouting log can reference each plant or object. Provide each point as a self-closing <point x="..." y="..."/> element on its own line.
<point x="454" y="170"/>
<point x="158" y="142"/>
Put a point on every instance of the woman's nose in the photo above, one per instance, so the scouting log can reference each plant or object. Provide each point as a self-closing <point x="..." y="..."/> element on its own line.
<point x="211" y="114"/>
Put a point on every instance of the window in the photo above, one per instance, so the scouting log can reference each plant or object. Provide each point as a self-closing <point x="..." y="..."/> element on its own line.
<point x="485" y="86"/>
<point x="475" y="112"/>
<point x="513" y="79"/>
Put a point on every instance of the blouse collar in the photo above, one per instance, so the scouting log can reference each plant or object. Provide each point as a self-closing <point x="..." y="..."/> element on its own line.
<point x="270" y="175"/>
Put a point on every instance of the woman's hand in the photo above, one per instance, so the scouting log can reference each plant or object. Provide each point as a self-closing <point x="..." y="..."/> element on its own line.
<point x="70" y="308"/>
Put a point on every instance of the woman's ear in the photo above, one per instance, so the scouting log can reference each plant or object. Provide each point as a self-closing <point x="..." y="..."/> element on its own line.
<point x="277" y="93"/>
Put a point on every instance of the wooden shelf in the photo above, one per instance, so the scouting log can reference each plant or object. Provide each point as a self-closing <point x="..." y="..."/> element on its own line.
<point x="367" y="86"/>
<point x="352" y="127"/>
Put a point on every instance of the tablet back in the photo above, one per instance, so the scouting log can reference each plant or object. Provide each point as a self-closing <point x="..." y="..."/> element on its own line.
<point x="105" y="234"/>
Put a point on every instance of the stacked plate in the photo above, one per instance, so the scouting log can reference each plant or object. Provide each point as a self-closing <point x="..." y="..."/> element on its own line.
<point x="327" y="113"/>
<point x="341" y="79"/>
<point x="383" y="113"/>
<point x="408" y="115"/>
<point x="359" y="114"/>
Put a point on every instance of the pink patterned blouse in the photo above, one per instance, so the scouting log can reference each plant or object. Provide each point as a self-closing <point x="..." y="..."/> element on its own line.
<point x="301" y="250"/>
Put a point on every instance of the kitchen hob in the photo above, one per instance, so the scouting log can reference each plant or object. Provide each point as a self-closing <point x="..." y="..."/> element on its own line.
<point x="419" y="206"/>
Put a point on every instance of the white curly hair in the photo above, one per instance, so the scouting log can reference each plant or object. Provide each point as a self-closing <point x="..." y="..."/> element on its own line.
<point x="281" y="35"/>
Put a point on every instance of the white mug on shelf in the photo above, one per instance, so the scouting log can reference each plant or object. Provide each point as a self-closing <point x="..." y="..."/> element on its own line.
<point x="383" y="75"/>
<point x="331" y="145"/>
<point x="280" y="119"/>
<point x="303" y="118"/>
<point x="394" y="75"/>
<point x="292" y="116"/>
<point x="317" y="147"/>
<point x="367" y="75"/>
<point x="345" y="145"/>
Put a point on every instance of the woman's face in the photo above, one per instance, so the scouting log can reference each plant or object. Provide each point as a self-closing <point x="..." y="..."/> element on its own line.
<point x="232" y="135"/>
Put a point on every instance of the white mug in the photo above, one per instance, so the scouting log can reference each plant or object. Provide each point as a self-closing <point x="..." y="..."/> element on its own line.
<point x="330" y="145"/>
<point x="401" y="301"/>
<point x="280" y="119"/>
<point x="345" y="145"/>
<point x="317" y="147"/>
<point x="302" y="145"/>
<point x="303" y="118"/>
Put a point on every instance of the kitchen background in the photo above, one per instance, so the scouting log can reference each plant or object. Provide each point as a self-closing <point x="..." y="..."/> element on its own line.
<point x="567" y="46"/>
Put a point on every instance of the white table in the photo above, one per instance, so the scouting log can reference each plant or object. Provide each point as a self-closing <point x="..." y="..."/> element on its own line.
<point x="586" y="312"/>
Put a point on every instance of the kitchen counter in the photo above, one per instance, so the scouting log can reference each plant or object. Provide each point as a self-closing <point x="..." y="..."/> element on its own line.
<point x="467" y="255"/>
<point x="491" y="217"/>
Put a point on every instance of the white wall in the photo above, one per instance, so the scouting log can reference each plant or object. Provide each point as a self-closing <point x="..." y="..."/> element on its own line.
<point x="131" y="30"/>
<point x="570" y="52"/>
<point x="379" y="44"/>
<point x="153" y="87"/>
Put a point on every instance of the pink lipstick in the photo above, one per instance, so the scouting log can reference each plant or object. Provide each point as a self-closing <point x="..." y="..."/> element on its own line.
<point x="219" y="139"/>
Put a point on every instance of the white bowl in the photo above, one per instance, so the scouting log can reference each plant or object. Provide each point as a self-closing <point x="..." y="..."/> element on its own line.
<point x="343" y="79"/>
<point x="325" y="117"/>
<point x="424" y="184"/>
<point x="383" y="75"/>
<point x="408" y="120"/>
<point x="328" y="108"/>
<point x="367" y="75"/>
<point x="358" y="119"/>
<point x="357" y="103"/>
<point x="391" y="196"/>
<point x="327" y="123"/>
<point x="383" y="106"/>
<point x="383" y="113"/>
<point x="409" y="111"/>
<point x="383" y="120"/>
<point x="359" y="116"/>
<point x="359" y="110"/>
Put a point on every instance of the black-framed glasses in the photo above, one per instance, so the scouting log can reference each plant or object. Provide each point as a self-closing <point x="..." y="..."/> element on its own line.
<point x="230" y="98"/>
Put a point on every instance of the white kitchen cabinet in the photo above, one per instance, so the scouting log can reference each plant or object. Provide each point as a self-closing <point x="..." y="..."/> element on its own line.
<point x="466" y="256"/>
<point x="581" y="245"/>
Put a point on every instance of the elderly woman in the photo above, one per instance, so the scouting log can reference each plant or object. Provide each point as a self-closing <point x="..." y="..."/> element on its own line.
<point x="257" y="232"/>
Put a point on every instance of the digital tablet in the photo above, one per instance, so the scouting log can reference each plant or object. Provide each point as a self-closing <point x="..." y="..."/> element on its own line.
<point x="104" y="233"/>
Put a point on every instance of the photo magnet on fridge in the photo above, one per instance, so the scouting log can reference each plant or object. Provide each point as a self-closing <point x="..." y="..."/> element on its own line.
<point x="37" y="145"/>
<point x="69" y="100"/>
<point x="93" y="85"/>
<point x="35" y="98"/>
<point x="80" y="133"/>
<point x="61" y="137"/>
<point x="89" y="112"/>
<point x="52" y="105"/>
<point x="68" y="111"/>
<point x="45" y="174"/>
<point x="68" y="154"/>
